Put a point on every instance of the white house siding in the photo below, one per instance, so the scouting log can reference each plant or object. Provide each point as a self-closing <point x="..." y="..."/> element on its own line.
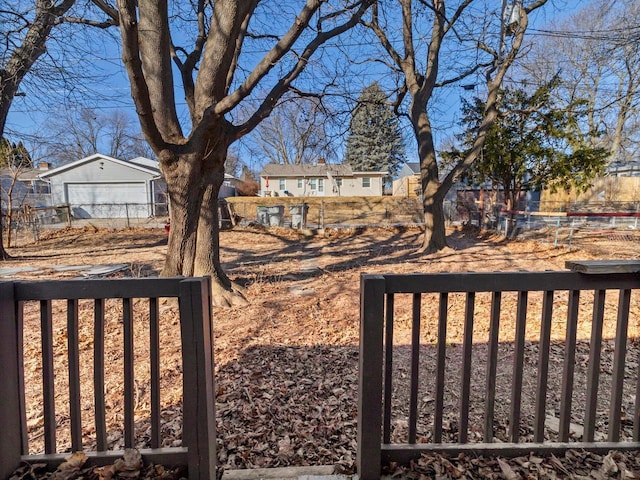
<point x="318" y="181"/>
<point x="323" y="186"/>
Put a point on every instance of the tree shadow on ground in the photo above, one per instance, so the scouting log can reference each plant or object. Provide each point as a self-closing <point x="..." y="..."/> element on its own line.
<point x="297" y="405"/>
<point x="343" y="250"/>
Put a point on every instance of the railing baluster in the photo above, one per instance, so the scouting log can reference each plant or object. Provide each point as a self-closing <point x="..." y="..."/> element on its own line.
<point x="636" y="409"/>
<point x="415" y="368"/>
<point x="75" y="411"/>
<point x="544" y="348"/>
<point x="11" y="403"/>
<point x="566" y="398"/>
<point x="369" y="459"/>
<point x="440" y="368"/>
<point x="624" y="303"/>
<point x="518" y="367"/>
<point x="98" y="374"/>
<point x="129" y="421"/>
<point x="492" y="366"/>
<point x="154" y="344"/>
<point x="467" y="350"/>
<point x="388" y="369"/>
<point x="593" y="371"/>
<point x="19" y="312"/>
<point x="48" y="386"/>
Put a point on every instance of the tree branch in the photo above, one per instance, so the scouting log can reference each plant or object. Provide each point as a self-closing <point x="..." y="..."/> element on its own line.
<point x="110" y="10"/>
<point x="272" y="57"/>
<point x="131" y="59"/>
<point x="285" y="82"/>
<point x="239" y="43"/>
<point x="86" y="21"/>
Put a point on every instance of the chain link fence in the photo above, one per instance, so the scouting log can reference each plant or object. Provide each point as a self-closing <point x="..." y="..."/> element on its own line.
<point x="561" y="224"/>
<point x="26" y="225"/>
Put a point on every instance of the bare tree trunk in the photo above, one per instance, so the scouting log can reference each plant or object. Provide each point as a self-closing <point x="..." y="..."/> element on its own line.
<point x="224" y="292"/>
<point x="509" y="197"/>
<point x="194" y="182"/>
<point x="435" y="238"/>
<point x="3" y="253"/>
<point x="182" y="175"/>
<point x="434" y="234"/>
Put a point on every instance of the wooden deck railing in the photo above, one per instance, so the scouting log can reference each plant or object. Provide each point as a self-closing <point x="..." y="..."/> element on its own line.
<point x="402" y="407"/>
<point x="197" y="451"/>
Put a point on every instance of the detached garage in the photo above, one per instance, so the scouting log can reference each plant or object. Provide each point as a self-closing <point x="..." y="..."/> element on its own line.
<point x="100" y="186"/>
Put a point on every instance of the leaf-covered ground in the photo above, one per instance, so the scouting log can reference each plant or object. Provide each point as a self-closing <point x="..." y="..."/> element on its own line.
<point x="286" y="364"/>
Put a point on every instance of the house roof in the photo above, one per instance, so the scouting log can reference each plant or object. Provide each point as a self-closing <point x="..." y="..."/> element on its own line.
<point x="409" y="168"/>
<point x="135" y="164"/>
<point x="24" y="174"/>
<point x="306" y="170"/>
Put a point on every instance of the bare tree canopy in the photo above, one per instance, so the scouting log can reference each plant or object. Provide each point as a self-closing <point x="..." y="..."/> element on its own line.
<point x="87" y="131"/>
<point x="436" y="43"/>
<point x="596" y="53"/>
<point x="25" y="29"/>
<point x="294" y="133"/>
<point x="236" y="59"/>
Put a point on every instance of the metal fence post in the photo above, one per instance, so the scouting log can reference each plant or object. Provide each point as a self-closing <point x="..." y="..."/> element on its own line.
<point x="199" y="427"/>
<point x="369" y="459"/>
<point x="10" y="392"/>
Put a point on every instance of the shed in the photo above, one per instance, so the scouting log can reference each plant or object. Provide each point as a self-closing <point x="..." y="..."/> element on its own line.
<point x="99" y="186"/>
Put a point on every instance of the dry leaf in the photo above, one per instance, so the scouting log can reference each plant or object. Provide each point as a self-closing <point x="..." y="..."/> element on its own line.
<point x="507" y="471"/>
<point x="609" y="466"/>
<point x="130" y="464"/>
<point x="105" y="473"/>
<point x="74" y="461"/>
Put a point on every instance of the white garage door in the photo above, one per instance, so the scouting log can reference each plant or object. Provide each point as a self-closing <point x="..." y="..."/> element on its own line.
<point x="108" y="200"/>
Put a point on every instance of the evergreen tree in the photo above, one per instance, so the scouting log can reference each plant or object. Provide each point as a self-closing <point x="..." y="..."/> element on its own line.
<point x="532" y="145"/>
<point x="375" y="142"/>
<point x="14" y="156"/>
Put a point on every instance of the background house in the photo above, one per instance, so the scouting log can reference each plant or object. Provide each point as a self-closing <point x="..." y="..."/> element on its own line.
<point x="99" y="186"/>
<point x="408" y="182"/>
<point x="25" y="186"/>
<point x="319" y="180"/>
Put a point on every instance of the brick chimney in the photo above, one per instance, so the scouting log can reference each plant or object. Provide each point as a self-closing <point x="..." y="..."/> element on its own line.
<point x="44" y="166"/>
<point x="322" y="161"/>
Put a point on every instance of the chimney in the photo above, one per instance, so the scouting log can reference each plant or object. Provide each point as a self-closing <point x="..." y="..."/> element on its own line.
<point x="44" y="166"/>
<point x="322" y="161"/>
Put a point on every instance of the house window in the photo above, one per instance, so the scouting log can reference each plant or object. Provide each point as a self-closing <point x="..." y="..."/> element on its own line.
<point x="283" y="185"/>
<point x="321" y="184"/>
<point x="300" y="184"/>
<point x="339" y="182"/>
<point x="366" y="182"/>
<point x="312" y="184"/>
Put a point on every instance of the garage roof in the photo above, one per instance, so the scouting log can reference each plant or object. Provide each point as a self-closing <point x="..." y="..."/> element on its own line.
<point x="139" y="163"/>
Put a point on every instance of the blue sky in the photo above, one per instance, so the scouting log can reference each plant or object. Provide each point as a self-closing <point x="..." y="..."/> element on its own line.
<point x="108" y="90"/>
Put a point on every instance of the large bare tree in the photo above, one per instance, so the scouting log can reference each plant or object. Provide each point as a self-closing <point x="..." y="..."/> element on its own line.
<point x="25" y="29"/>
<point x="218" y="75"/>
<point x="418" y="36"/>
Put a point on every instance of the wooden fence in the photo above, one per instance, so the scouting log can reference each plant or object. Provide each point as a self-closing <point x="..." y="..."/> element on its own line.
<point x="397" y="425"/>
<point x="197" y="450"/>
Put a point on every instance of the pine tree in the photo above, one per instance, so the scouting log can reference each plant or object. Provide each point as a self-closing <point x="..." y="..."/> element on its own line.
<point x="375" y="142"/>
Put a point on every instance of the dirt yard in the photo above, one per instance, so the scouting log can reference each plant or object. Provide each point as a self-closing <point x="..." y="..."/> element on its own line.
<point x="287" y="362"/>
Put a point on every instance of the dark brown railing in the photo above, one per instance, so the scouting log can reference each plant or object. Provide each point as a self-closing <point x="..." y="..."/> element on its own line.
<point x="408" y="403"/>
<point x="197" y="450"/>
